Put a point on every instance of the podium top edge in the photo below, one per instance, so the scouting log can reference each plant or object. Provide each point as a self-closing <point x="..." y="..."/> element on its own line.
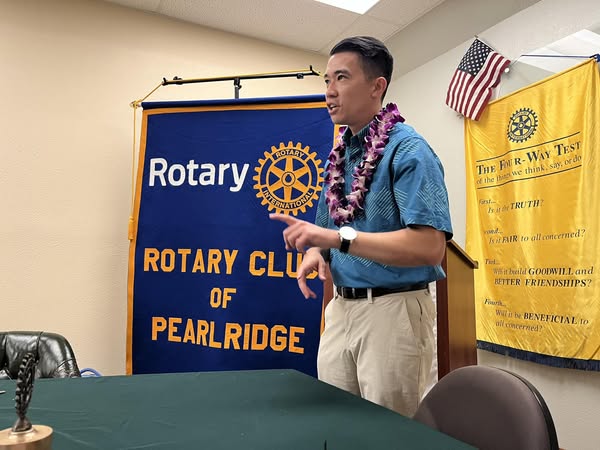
<point x="458" y="250"/>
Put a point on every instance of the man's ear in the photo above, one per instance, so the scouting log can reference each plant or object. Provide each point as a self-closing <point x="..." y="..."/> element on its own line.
<point x="379" y="87"/>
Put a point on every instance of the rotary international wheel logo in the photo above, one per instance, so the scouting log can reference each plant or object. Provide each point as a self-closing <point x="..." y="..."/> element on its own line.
<point x="289" y="178"/>
<point x="522" y="125"/>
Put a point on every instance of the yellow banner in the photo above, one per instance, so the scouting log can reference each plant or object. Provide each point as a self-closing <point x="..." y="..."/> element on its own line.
<point x="533" y="177"/>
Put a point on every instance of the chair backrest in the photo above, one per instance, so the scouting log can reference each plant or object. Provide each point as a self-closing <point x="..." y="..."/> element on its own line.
<point x="489" y="408"/>
<point x="55" y="357"/>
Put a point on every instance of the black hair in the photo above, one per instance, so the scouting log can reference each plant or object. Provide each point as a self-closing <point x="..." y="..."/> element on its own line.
<point x="376" y="59"/>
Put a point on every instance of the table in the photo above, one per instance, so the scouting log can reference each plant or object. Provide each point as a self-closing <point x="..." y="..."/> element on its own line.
<point x="262" y="410"/>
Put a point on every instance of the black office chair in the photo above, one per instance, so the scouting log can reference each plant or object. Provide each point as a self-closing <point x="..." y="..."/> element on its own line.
<point x="489" y="408"/>
<point x="55" y="357"/>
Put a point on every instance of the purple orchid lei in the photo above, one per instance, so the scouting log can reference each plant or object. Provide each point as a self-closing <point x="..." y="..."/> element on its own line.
<point x="342" y="208"/>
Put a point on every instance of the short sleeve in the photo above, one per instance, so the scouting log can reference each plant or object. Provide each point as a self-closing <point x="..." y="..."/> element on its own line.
<point x="419" y="188"/>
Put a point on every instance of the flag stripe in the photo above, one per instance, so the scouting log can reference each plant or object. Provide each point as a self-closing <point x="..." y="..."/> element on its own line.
<point x="483" y="101"/>
<point x="479" y="71"/>
<point x="467" y="95"/>
<point x="450" y="93"/>
<point x="462" y="81"/>
<point x="479" y="81"/>
<point x="484" y="87"/>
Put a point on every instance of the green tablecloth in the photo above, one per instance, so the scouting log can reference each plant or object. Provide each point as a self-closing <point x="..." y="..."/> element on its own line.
<point x="262" y="410"/>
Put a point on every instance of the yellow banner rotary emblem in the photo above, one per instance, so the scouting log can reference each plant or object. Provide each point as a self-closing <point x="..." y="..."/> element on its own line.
<point x="289" y="178"/>
<point x="522" y="125"/>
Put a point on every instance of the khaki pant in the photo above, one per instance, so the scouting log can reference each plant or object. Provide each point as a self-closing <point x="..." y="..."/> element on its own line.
<point x="380" y="349"/>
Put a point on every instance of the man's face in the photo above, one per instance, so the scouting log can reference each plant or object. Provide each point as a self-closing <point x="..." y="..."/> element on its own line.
<point x="352" y="97"/>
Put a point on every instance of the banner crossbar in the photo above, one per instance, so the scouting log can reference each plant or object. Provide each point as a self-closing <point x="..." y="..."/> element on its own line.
<point x="237" y="85"/>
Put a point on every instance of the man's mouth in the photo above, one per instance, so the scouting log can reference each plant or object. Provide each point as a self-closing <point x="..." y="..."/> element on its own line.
<point x="332" y="108"/>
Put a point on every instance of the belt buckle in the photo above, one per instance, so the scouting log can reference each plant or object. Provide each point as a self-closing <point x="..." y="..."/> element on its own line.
<point x="353" y="290"/>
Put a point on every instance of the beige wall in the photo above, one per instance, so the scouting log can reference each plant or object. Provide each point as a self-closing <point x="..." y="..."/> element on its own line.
<point x="573" y="396"/>
<point x="68" y="71"/>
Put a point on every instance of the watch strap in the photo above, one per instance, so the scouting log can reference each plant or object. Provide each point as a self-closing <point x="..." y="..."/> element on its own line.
<point x="345" y="245"/>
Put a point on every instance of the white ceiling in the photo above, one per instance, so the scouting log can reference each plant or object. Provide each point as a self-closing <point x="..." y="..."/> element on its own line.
<point x="303" y="24"/>
<point x="415" y="31"/>
<point x="584" y="43"/>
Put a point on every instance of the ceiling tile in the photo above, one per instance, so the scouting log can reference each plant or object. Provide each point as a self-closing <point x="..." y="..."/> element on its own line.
<point x="432" y="26"/>
<point x="582" y="43"/>
<point x="363" y="26"/>
<point x="402" y="12"/>
<point x="301" y="23"/>
<point x="146" y="5"/>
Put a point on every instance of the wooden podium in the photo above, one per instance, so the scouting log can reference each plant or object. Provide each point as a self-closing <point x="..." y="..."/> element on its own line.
<point x="455" y="298"/>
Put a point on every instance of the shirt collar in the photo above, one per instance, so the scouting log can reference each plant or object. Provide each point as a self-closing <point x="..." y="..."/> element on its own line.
<point x="358" y="139"/>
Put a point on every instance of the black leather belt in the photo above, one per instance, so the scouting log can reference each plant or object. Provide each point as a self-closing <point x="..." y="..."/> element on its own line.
<point x="347" y="292"/>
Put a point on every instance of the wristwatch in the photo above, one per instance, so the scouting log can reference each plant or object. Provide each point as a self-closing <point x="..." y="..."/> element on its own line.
<point x="347" y="235"/>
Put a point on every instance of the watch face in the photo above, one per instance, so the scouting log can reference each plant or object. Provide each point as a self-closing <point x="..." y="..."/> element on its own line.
<point x="348" y="233"/>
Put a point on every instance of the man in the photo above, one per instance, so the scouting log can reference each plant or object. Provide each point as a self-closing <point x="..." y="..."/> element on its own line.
<point x="382" y="224"/>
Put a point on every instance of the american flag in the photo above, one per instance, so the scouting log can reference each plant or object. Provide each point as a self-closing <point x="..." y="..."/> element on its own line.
<point x="471" y="86"/>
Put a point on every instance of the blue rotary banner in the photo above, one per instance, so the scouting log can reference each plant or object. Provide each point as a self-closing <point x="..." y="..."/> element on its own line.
<point x="211" y="286"/>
